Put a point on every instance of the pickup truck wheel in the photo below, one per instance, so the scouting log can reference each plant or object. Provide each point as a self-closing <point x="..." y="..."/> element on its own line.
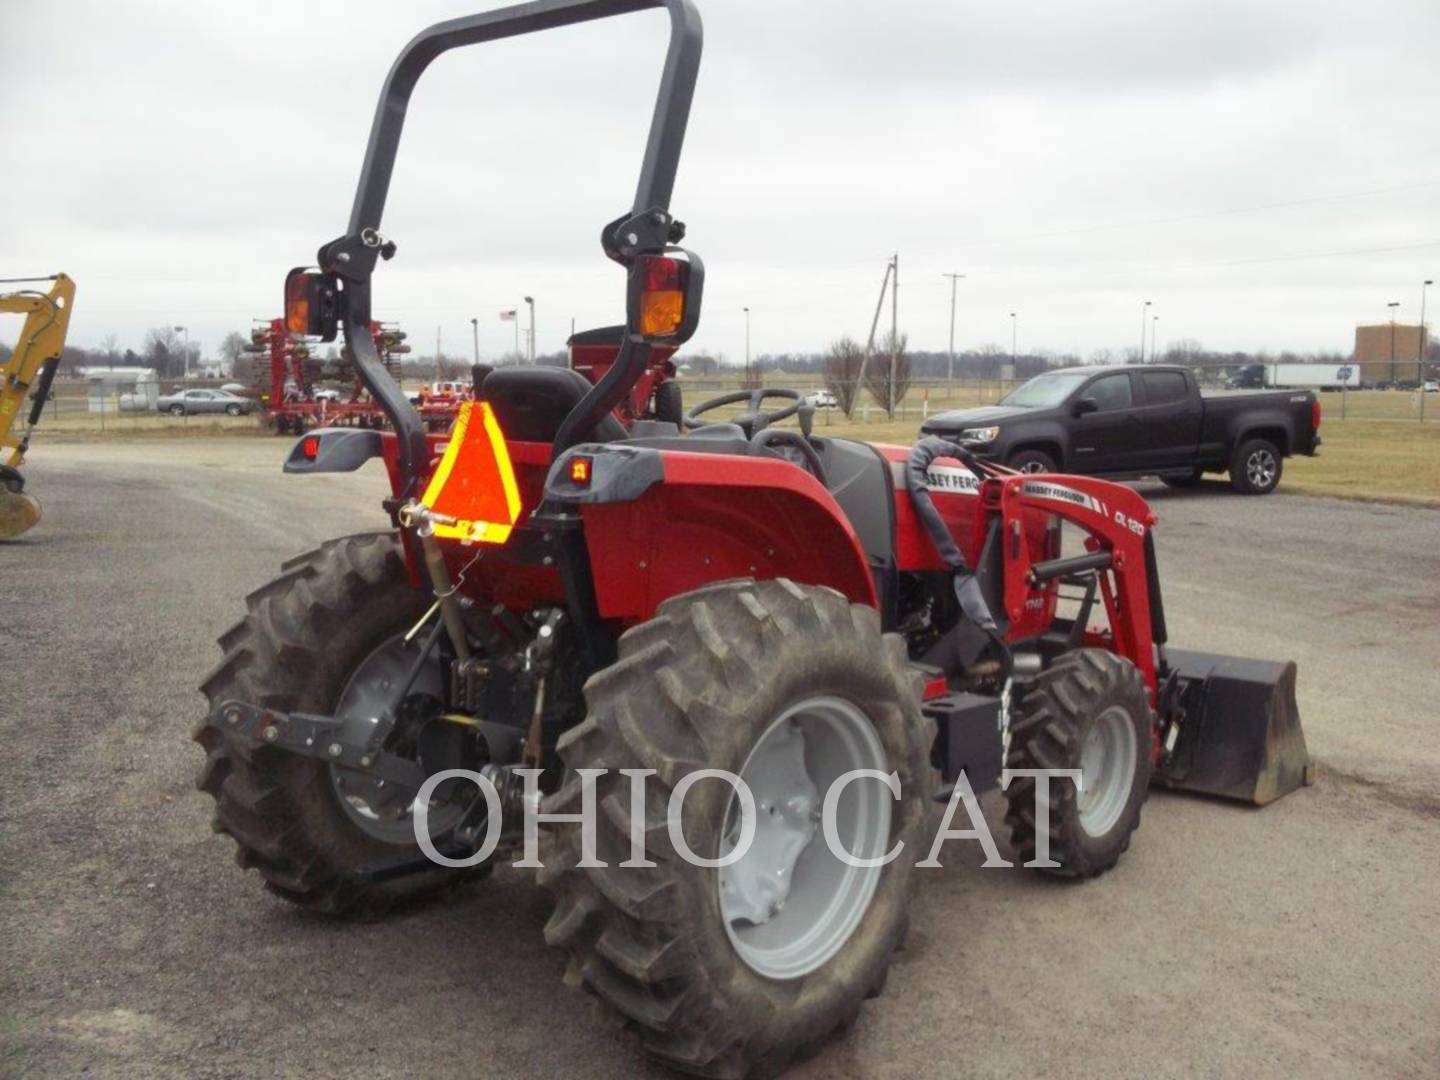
<point x="1255" y="468"/>
<point x="1032" y="461"/>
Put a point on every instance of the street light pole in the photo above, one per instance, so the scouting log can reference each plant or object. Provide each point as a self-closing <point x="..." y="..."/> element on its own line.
<point x="1154" y="337"/>
<point x="954" y="278"/>
<point x="1420" y="349"/>
<point x="1144" y="311"/>
<point x="475" y="330"/>
<point x="747" y="346"/>
<point x="184" y="356"/>
<point x="1014" y="337"/>
<point x="894" y="333"/>
<point x="1392" y="305"/>
<point x="531" y="301"/>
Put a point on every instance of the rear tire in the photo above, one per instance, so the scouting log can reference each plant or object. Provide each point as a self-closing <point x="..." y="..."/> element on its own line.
<point x="1032" y="461"/>
<point x="1256" y="467"/>
<point x="295" y="650"/>
<point x="232" y="410"/>
<point x="697" y="687"/>
<point x="670" y="403"/>
<point x="177" y="410"/>
<point x="1086" y="697"/>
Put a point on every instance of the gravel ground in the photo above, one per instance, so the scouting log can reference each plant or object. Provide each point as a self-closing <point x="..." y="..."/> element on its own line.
<point x="1297" y="940"/>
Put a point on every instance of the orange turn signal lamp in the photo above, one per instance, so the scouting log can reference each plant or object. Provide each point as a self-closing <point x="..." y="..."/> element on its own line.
<point x="580" y="469"/>
<point x="662" y="298"/>
<point x="473" y="494"/>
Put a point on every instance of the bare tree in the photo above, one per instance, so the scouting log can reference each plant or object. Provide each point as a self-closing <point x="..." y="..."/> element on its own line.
<point x="164" y="351"/>
<point x="842" y="372"/>
<point x="232" y="347"/>
<point x="877" y="375"/>
<point x="110" y="345"/>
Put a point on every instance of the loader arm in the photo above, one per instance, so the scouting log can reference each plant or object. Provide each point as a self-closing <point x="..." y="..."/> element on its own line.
<point x="37" y="354"/>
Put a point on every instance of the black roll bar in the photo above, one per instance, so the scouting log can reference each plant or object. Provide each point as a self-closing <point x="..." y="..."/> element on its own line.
<point x="353" y="256"/>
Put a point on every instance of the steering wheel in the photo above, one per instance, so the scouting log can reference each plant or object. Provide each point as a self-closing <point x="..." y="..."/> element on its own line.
<point x="755" y="419"/>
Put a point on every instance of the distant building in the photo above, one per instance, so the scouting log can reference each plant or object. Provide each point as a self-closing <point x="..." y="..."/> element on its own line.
<point x="1376" y="348"/>
<point x="120" y="389"/>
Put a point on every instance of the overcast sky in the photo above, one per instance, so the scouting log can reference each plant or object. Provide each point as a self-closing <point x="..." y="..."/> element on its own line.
<point x="1266" y="172"/>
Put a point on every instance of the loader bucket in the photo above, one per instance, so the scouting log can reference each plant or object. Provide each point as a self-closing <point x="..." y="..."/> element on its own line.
<point x="19" y="513"/>
<point x="1240" y="735"/>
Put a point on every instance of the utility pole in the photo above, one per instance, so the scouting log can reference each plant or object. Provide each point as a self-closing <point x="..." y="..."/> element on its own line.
<point x="1144" y="311"/>
<point x="894" y="331"/>
<point x="531" y="301"/>
<point x="1014" y="337"/>
<point x="1154" y="337"/>
<point x="475" y="329"/>
<point x="870" y="341"/>
<point x="950" y="378"/>
<point x="437" y="354"/>
<point x="1392" y="306"/>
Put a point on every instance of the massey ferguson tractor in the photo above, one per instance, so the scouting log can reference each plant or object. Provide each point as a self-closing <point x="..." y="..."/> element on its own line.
<point x="596" y="620"/>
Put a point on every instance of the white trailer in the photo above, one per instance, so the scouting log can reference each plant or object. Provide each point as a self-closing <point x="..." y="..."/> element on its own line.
<point x="1312" y="376"/>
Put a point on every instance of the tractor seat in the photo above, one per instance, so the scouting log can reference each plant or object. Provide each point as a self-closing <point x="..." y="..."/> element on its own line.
<point x="531" y="402"/>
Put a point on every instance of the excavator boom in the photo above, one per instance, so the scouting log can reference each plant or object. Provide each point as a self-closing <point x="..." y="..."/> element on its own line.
<point x="27" y="374"/>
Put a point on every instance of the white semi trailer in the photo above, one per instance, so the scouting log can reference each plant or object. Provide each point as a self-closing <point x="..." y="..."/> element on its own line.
<point x="1296" y="376"/>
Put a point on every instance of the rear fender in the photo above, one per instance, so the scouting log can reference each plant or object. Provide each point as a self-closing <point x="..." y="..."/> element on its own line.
<point x="659" y="523"/>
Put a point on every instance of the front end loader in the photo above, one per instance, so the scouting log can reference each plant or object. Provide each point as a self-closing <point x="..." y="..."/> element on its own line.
<point x="28" y="373"/>
<point x="727" y="665"/>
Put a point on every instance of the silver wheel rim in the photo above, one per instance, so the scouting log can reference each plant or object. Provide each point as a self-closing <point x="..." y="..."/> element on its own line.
<point x="790" y="903"/>
<point x="1033" y="467"/>
<point x="1107" y="770"/>
<point x="380" y="813"/>
<point x="1260" y="468"/>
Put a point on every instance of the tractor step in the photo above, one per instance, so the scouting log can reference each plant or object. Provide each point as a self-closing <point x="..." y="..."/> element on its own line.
<point x="1239" y="734"/>
<point x="967" y="738"/>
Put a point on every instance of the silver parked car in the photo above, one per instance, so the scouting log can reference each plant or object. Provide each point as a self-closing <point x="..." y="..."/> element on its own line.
<point x="186" y="402"/>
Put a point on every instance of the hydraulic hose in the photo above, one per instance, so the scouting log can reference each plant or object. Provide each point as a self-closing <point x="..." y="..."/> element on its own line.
<point x="967" y="589"/>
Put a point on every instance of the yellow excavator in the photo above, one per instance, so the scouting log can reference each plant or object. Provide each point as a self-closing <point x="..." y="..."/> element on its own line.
<point x="28" y="373"/>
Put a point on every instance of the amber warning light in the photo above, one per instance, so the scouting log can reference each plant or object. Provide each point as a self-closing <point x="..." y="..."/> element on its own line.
<point x="662" y="303"/>
<point x="473" y="494"/>
<point x="580" y="471"/>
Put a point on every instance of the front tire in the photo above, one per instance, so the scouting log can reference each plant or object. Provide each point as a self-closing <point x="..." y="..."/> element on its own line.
<point x="1255" y="469"/>
<point x="1088" y="711"/>
<point x="1032" y="461"/>
<point x="177" y="410"/>
<point x="233" y="410"/>
<point x="700" y="686"/>
<point x="304" y="636"/>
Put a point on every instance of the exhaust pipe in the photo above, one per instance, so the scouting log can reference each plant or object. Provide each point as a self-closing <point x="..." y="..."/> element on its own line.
<point x="1239" y="730"/>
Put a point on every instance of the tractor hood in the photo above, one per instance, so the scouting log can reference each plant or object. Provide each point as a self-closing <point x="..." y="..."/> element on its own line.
<point x="949" y="423"/>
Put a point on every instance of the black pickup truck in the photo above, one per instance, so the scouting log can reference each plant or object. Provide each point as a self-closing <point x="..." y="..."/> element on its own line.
<point x="1148" y="420"/>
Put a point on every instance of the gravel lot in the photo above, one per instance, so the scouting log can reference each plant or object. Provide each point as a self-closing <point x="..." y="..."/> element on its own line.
<point x="1297" y="940"/>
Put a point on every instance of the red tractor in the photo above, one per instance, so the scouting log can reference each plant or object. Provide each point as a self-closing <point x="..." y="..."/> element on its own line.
<point x="800" y="642"/>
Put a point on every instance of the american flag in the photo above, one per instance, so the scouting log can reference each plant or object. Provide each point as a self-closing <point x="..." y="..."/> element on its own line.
<point x="508" y="315"/>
